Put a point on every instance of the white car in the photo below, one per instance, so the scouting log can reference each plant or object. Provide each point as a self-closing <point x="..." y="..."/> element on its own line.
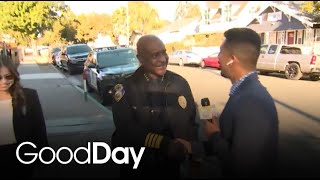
<point x="183" y="57"/>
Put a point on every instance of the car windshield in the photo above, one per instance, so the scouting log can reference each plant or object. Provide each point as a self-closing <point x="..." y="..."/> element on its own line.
<point x="214" y="54"/>
<point x="56" y="50"/>
<point x="116" y="58"/>
<point x="78" y="49"/>
<point x="190" y="52"/>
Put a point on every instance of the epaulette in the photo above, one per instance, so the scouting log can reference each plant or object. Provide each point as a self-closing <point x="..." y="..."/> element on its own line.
<point x="153" y="140"/>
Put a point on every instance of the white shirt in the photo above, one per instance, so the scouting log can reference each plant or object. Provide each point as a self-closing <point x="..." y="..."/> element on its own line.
<point x="7" y="135"/>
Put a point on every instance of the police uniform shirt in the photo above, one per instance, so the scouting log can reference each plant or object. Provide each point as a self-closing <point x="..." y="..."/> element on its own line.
<point x="155" y="95"/>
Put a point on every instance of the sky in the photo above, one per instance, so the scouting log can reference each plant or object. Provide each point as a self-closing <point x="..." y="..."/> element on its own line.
<point x="166" y="9"/>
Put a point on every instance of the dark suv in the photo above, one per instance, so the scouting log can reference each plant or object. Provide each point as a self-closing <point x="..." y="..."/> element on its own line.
<point x="72" y="57"/>
<point x="109" y="68"/>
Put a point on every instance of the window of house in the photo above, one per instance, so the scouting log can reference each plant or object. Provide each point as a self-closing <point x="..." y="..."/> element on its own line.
<point x="299" y="37"/>
<point x="308" y="36"/>
<point x="317" y="38"/>
<point x="272" y="38"/>
<point x="262" y="35"/>
<point x="280" y="38"/>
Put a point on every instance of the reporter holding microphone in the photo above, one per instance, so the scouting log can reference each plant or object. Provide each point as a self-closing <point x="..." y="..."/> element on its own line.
<point x="245" y="137"/>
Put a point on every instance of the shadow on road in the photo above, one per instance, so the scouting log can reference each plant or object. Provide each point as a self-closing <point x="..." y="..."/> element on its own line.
<point x="310" y="116"/>
<point x="282" y="76"/>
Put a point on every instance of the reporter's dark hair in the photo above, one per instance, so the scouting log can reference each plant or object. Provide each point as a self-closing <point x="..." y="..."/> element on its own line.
<point x="15" y="90"/>
<point x="244" y="43"/>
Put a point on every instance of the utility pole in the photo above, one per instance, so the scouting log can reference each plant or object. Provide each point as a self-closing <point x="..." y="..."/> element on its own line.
<point x="127" y="19"/>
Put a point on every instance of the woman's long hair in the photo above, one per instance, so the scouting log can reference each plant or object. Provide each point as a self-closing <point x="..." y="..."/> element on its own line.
<point x="15" y="90"/>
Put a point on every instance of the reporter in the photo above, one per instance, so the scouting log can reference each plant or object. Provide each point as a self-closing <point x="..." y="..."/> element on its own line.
<point x="245" y="137"/>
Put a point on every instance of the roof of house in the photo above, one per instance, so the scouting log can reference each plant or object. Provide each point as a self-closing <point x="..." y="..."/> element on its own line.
<point x="213" y="4"/>
<point x="275" y="26"/>
<point x="176" y="25"/>
<point x="289" y="8"/>
<point x="216" y="5"/>
<point x="242" y="6"/>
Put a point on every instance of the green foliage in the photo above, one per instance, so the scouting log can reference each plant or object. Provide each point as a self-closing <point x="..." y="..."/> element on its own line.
<point x="186" y="9"/>
<point x="90" y="25"/>
<point x="31" y="18"/>
<point x="28" y="20"/>
<point x="142" y="18"/>
<point x="313" y="8"/>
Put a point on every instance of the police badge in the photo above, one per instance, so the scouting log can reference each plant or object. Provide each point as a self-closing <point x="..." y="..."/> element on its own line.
<point x="182" y="102"/>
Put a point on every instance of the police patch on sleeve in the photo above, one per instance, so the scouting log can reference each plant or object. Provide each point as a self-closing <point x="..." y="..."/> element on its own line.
<point x="182" y="102"/>
<point x="119" y="92"/>
<point x="118" y="87"/>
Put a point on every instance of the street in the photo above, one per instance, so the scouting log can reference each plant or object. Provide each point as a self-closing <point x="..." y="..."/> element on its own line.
<point x="297" y="103"/>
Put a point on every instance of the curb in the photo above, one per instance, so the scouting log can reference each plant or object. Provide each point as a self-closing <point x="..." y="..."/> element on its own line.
<point x="104" y="109"/>
<point x="93" y="100"/>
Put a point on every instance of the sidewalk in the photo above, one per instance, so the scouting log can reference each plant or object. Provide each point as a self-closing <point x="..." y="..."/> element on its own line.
<point x="71" y="120"/>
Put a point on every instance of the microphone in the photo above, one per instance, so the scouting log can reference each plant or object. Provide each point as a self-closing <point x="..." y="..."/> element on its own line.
<point x="206" y="110"/>
<point x="205" y="102"/>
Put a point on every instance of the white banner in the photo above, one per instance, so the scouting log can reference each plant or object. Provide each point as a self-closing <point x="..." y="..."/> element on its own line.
<point x="274" y="16"/>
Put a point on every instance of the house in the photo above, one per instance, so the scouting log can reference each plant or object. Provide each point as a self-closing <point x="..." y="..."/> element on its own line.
<point x="219" y="16"/>
<point x="177" y="30"/>
<point x="283" y="23"/>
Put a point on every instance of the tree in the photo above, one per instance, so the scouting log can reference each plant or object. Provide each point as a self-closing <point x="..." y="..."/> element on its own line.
<point x="69" y="22"/>
<point x="90" y="25"/>
<point x="313" y="8"/>
<point x="30" y="19"/>
<point x="186" y="9"/>
<point x="119" y="21"/>
<point x="142" y="18"/>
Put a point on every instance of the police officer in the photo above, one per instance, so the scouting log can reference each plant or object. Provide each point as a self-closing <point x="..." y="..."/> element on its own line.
<point x="154" y="108"/>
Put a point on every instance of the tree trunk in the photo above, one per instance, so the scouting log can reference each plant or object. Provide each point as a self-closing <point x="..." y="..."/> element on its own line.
<point x="34" y="47"/>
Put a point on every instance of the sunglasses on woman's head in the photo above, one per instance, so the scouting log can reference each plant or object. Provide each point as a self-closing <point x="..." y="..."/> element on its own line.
<point x="7" y="77"/>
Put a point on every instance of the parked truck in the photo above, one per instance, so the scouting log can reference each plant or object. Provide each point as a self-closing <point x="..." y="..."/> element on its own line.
<point x="289" y="60"/>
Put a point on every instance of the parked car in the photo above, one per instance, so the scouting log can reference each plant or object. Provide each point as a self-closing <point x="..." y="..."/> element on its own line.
<point x="211" y="61"/>
<point x="288" y="59"/>
<point x="108" y="68"/>
<point x="72" y="57"/>
<point x="183" y="57"/>
<point x="54" y="52"/>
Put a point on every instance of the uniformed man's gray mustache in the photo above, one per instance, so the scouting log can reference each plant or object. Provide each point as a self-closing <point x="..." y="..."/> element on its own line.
<point x="160" y="65"/>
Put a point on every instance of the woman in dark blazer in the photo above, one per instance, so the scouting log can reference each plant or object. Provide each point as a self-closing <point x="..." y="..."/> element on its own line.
<point x="21" y="120"/>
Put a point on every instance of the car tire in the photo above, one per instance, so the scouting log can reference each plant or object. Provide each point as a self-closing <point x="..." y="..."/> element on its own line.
<point x="181" y="62"/>
<point x="293" y="71"/>
<point x="202" y="65"/>
<point x="54" y="61"/>
<point x="89" y="88"/>
<point x="104" y="98"/>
